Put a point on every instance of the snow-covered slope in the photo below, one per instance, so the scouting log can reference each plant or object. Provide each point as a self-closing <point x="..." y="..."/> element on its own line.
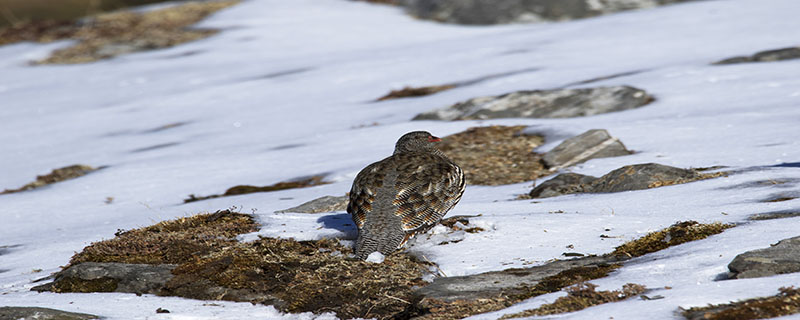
<point x="286" y="90"/>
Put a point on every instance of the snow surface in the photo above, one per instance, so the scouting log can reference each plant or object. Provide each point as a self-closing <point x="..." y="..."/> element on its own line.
<point x="286" y="91"/>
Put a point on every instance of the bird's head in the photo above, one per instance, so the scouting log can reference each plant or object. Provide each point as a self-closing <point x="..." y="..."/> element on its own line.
<point x="416" y="141"/>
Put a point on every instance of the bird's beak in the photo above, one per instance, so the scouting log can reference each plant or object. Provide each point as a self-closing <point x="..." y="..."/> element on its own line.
<point x="434" y="139"/>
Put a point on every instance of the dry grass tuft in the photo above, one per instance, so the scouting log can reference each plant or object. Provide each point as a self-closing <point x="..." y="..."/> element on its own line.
<point x="495" y="155"/>
<point x="579" y="297"/>
<point x="110" y="34"/>
<point x="787" y="302"/>
<point x="245" y="189"/>
<point x="415" y="92"/>
<point x="171" y="242"/>
<point x="676" y="234"/>
<point x="57" y="175"/>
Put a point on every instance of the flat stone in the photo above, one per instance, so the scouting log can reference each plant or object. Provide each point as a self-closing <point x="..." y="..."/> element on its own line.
<point x="642" y="176"/>
<point x="558" y="103"/>
<point x="320" y="205"/>
<point x="31" y="313"/>
<point x="565" y="183"/>
<point x="592" y="144"/>
<point x="765" y="56"/>
<point x="780" y="258"/>
<point x="111" y="277"/>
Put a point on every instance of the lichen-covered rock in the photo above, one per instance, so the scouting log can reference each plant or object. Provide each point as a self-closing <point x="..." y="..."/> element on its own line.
<point x="592" y="144"/>
<point x="565" y="183"/>
<point x="558" y="103"/>
<point x="111" y="277"/>
<point x="783" y="257"/>
<point x="320" y="205"/>
<point x="484" y="12"/>
<point x="766" y="56"/>
<point x="30" y="313"/>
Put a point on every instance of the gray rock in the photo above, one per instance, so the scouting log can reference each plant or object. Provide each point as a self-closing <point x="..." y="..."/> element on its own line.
<point x="31" y="313"/>
<point x="565" y="183"/>
<point x="765" y="56"/>
<point x="484" y="12"/>
<point x="780" y="258"/>
<point x="320" y="205"/>
<point x="780" y="214"/>
<point x="642" y="176"/>
<point x="558" y="103"/>
<point x="592" y="144"/>
<point x="508" y="282"/>
<point x="111" y="277"/>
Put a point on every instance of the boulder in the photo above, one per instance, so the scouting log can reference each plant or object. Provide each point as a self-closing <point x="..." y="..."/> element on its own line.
<point x="557" y="103"/>
<point x="765" y="56"/>
<point x="111" y="277"/>
<point x="780" y="258"/>
<point x="30" y="313"/>
<point x="320" y="205"/>
<point x="483" y="12"/>
<point x="565" y="183"/>
<point x="592" y="144"/>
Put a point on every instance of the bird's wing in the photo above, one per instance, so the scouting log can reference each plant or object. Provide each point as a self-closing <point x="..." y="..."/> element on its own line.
<point x="363" y="192"/>
<point x="427" y="188"/>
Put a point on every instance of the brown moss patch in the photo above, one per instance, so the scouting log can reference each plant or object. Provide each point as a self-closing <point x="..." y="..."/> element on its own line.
<point x="245" y="189"/>
<point x="171" y="242"/>
<point x="110" y="34"/>
<point x="415" y="92"/>
<point x="787" y="302"/>
<point x="675" y="234"/>
<point x="495" y="155"/>
<point x="85" y="286"/>
<point x="57" y="175"/>
<point x="579" y="297"/>
<point x="306" y="276"/>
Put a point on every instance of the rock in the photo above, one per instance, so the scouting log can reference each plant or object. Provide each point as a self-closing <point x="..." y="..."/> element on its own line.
<point x="592" y="144"/>
<point x="320" y="205"/>
<point x="627" y="178"/>
<point x="558" y="103"/>
<point x="111" y="277"/>
<point x="765" y="56"/>
<point x="565" y="183"/>
<point x="780" y="258"/>
<point x="30" y="313"/>
<point x="484" y="12"/>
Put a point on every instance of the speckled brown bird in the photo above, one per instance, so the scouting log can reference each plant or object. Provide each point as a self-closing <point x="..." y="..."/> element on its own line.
<point x="408" y="192"/>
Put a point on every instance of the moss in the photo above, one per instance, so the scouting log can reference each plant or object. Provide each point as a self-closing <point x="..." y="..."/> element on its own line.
<point x="77" y="285"/>
<point x="567" y="278"/>
<point x="57" y="175"/>
<point x="307" y="276"/>
<point x="245" y="189"/>
<point x="172" y="242"/>
<point x="109" y="34"/>
<point x="415" y="92"/>
<point x="495" y="155"/>
<point x="787" y="302"/>
<point x="676" y="234"/>
<point x="697" y="177"/>
<point x="579" y="297"/>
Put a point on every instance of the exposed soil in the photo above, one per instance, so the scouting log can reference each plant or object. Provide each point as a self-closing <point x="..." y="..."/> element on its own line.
<point x="415" y="92"/>
<point x="245" y="189"/>
<point x="57" y="175"/>
<point x="579" y="297"/>
<point x="678" y="233"/>
<point x="785" y="303"/>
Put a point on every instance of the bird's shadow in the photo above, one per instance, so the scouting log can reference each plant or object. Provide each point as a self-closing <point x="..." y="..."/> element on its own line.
<point x="341" y="222"/>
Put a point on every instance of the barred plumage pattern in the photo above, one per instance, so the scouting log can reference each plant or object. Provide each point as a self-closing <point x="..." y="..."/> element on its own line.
<point x="408" y="192"/>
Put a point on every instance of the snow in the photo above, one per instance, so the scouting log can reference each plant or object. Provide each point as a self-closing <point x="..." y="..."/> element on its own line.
<point x="375" y="257"/>
<point x="286" y="91"/>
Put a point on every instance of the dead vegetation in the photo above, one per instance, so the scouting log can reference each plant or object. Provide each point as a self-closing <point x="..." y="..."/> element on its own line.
<point x="57" y="175"/>
<point x="495" y="155"/>
<point x="245" y="189"/>
<point x="787" y="302"/>
<point x="678" y="233"/>
<point x="415" y="92"/>
<point x="110" y="34"/>
<point x="579" y="297"/>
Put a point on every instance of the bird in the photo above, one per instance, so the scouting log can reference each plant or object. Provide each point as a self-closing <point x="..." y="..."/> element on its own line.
<point x="406" y="193"/>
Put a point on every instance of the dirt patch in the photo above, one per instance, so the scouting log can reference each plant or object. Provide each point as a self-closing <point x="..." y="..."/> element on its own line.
<point x="57" y="175"/>
<point x="171" y="242"/>
<point x="678" y="233"/>
<point x="245" y="189"/>
<point x="785" y="303"/>
<point x="415" y="92"/>
<point x="579" y="297"/>
<point x="495" y="155"/>
<point x="107" y="35"/>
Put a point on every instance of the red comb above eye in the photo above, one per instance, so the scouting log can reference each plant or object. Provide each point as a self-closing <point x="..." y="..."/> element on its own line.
<point x="434" y="139"/>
